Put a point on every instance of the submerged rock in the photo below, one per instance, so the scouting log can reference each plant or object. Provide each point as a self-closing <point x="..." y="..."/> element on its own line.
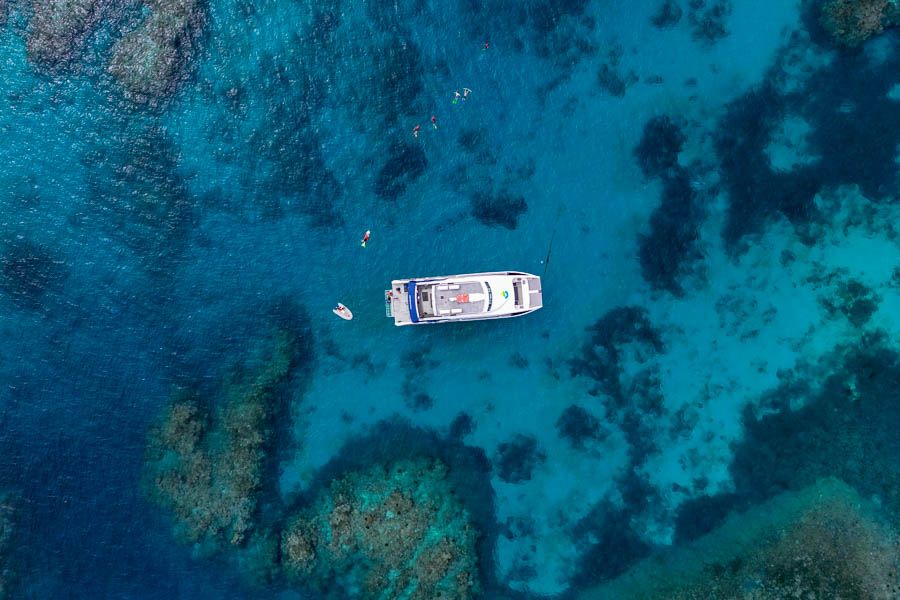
<point x="205" y="462"/>
<point x="149" y="61"/>
<point x="386" y="533"/>
<point x="821" y="542"/>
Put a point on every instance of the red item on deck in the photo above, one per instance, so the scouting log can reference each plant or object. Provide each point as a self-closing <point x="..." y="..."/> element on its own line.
<point x="462" y="298"/>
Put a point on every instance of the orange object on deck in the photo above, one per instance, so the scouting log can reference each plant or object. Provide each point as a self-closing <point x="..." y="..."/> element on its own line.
<point x="462" y="298"/>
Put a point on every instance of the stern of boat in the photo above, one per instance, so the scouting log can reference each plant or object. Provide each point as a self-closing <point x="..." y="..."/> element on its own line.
<point x="535" y="292"/>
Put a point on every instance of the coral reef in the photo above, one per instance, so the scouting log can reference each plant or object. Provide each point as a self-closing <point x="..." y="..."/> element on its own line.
<point x="205" y="461"/>
<point x="610" y="336"/>
<point x="386" y="533"/>
<point x="143" y="199"/>
<point x="821" y="542"/>
<point x="661" y="143"/>
<point x="28" y="271"/>
<point x="405" y="164"/>
<point x="707" y="19"/>
<point x="517" y="458"/>
<point x="854" y="301"/>
<point x="58" y="29"/>
<point x="502" y="209"/>
<point x="611" y="78"/>
<point x="149" y="61"/>
<point x="852" y="22"/>
<point x="667" y="15"/>
<point x="852" y="133"/>
<point x="579" y="426"/>
<point x="6" y="545"/>
<point x="847" y="430"/>
<point x="668" y="249"/>
<point x="462" y="425"/>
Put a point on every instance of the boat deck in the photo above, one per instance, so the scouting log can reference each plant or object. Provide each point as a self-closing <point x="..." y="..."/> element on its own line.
<point x="463" y="298"/>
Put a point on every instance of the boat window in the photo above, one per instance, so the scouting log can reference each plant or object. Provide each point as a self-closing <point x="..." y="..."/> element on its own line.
<point x="517" y="293"/>
<point x="425" y="296"/>
<point x="490" y="296"/>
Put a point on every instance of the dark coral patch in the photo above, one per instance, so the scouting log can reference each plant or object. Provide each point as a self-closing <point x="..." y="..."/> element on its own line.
<point x="854" y="132"/>
<point x="405" y="164"/>
<point x="667" y="15"/>
<point x="661" y="143"/>
<point x="462" y="425"/>
<point x="502" y="209"/>
<point x="668" y="249"/>
<point x="666" y="252"/>
<point x="846" y="430"/>
<point x="756" y="191"/>
<point x="144" y="199"/>
<point x="419" y="401"/>
<point x="600" y="355"/>
<point x="399" y="72"/>
<point x="699" y="516"/>
<point x="517" y="458"/>
<point x="708" y="19"/>
<point x="28" y="271"/>
<point x="609" y="544"/>
<point x="579" y="426"/>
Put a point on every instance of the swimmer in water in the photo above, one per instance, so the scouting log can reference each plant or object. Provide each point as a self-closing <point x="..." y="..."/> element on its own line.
<point x="434" y="121"/>
<point x="365" y="239"/>
<point x="416" y="130"/>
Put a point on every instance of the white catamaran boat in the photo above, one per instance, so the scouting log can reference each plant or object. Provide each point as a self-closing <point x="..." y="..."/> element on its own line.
<point x="472" y="297"/>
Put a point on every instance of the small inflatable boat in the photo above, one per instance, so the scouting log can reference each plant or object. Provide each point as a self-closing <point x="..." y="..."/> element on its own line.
<point x="343" y="312"/>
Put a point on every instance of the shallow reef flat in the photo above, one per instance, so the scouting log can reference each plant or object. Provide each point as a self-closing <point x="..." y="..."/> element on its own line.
<point x="824" y="541"/>
<point x="393" y="532"/>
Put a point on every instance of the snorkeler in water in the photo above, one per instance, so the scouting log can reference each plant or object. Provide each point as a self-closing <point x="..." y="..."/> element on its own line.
<point x="434" y="121"/>
<point x="365" y="239"/>
<point x="416" y="130"/>
<point x="456" y="97"/>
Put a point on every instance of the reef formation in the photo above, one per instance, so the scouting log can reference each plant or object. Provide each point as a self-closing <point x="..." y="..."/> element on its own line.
<point x="821" y="542"/>
<point x="148" y="62"/>
<point x="852" y="22"/>
<point x="387" y="533"/>
<point x="205" y="462"/>
<point x="6" y="535"/>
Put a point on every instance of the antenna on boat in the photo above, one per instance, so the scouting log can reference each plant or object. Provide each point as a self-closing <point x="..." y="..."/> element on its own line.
<point x="552" y="235"/>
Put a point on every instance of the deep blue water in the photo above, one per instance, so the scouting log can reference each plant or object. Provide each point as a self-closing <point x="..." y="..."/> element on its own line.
<point x="713" y="186"/>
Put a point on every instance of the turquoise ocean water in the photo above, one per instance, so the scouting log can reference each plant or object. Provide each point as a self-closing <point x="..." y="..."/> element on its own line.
<point x="707" y="188"/>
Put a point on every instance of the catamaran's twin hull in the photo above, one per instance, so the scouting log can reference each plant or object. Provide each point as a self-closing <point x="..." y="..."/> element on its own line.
<point x="470" y="297"/>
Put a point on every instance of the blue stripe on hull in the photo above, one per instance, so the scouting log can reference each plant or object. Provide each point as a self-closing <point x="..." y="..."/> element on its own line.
<point x="411" y="301"/>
